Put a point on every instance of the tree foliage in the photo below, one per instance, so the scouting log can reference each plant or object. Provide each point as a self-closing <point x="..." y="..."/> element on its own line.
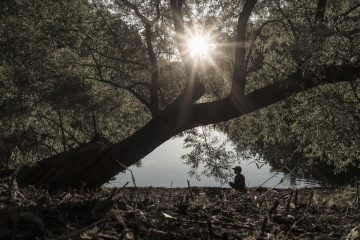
<point x="53" y="58"/>
<point x="320" y="125"/>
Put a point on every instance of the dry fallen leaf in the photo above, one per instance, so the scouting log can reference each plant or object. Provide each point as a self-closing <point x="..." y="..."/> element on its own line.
<point x="168" y="216"/>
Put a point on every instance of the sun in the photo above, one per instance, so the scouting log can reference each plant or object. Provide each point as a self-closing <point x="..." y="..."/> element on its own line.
<point x="199" y="46"/>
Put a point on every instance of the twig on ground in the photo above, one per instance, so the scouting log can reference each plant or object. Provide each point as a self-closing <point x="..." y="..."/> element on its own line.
<point x="210" y="230"/>
<point x="263" y="225"/>
<point x="132" y="175"/>
<point x="294" y="224"/>
<point x="192" y="197"/>
<point x="310" y="199"/>
<point x="289" y="201"/>
<point x="296" y="198"/>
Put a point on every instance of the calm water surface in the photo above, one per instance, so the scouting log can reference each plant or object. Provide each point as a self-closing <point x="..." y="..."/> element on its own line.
<point x="164" y="168"/>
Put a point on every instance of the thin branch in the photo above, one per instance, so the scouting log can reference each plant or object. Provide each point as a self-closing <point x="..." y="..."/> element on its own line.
<point x="130" y="89"/>
<point x="258" y="33"/>
<point x="353" y="88"/>
<point x="294" y="224"/>
<point x="98" y="67"/>
<point x="346" y="13"/>
<point x="154" y="85"/>
<point x="122" y="60"/>
<point x="94" y="121"/>
<point x="288" y="20"/>
<point x="126" y="74"/>
<point x="136" y="10"/>
<point x="114" y="34"/>
<point x="206" y="142"/>
<point x="131" y="172"/>
<point x="59" y="125"/>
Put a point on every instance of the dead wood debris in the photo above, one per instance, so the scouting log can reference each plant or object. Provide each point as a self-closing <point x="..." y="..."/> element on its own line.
<point x="155" y="213"/>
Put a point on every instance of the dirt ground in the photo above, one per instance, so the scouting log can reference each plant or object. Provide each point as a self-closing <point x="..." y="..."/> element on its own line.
<point x="179" y="213"/>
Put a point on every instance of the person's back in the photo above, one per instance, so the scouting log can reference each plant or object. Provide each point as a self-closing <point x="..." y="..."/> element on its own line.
<point x="239" y="181"/>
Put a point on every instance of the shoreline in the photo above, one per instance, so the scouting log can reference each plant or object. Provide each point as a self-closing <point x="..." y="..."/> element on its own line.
<point x="179" y="213"/>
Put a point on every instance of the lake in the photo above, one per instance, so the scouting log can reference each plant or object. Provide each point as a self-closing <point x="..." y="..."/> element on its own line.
<point x="164" y="168"/>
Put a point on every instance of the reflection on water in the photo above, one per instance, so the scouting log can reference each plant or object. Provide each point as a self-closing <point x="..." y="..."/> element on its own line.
<point x="164" y="168"/>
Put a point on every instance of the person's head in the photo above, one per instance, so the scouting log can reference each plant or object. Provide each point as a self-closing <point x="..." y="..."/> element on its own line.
<point x="237" y="169"/>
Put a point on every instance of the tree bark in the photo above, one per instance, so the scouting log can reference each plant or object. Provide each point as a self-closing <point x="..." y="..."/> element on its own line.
<point x="239" y="76"/>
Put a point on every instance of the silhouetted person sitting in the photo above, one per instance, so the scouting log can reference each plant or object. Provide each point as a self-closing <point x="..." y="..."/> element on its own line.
<point x="239" y="181"/>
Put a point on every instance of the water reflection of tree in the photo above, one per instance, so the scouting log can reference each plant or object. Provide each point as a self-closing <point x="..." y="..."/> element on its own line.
<point x="209" y="157"/>
<point x="208" y="154"/>
<point x="324" y="173"/>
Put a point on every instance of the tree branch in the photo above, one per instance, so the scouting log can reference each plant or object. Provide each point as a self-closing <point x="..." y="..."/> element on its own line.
<point x="59" y="125"/>
<point x="258" y="33"/>
<point x="152" y="108"/>
<point x="225" y="109"/>
<point x="239" y="76"/>
<point x="288" y="20"/>
<point x="130" y="89"/>
<point x="125" y="73"/>
<point x="194" y="89"/>
<point x="154" y="85"/>
<point x="98" y="67"/>
<point x="145" y="20"/>
<point x="122" y="60"/>
<point x="320" y="10"/>
<point x="177" y="15"/>
<point x="346" y="13"/>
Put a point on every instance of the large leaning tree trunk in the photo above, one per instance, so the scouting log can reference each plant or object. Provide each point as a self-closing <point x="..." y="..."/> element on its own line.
<point x="95" y="163"/>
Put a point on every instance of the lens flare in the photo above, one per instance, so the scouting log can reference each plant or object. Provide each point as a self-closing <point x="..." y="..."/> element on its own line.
<point x="199" y="46"/>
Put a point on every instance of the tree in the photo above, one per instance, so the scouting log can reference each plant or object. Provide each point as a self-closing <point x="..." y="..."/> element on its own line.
<point x="317" y="129"/>
<point x="52" y="98"/>
<point x="275" y="57"/>
<point x="301" y="134"/>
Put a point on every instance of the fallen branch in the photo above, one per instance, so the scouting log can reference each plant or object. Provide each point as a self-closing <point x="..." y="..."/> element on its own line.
<point x="294" y="224"/>
<point x="289" y="201"/>
<point x="132" y="175"/>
